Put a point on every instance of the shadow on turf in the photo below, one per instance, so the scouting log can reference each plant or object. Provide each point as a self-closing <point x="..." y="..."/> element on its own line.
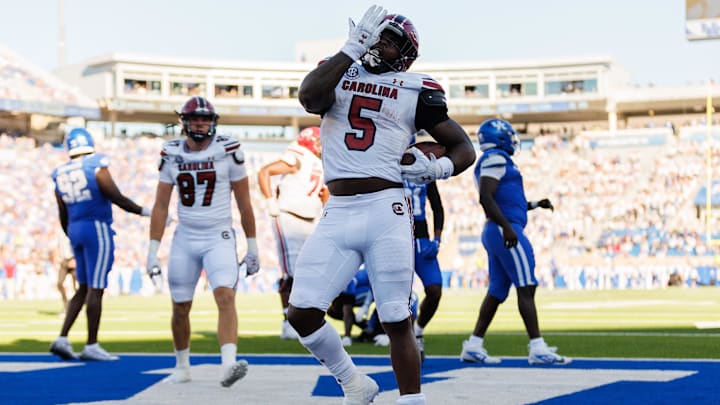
<point x="201" y="342"/>
<point x="589" y="344"/>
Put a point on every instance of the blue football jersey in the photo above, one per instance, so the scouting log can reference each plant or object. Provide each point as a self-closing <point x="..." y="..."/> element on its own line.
<point x="359" y="286"/>
<point x="510" y="194"/>
<point x="76" y="183"/>
<point x="418" y="196"/>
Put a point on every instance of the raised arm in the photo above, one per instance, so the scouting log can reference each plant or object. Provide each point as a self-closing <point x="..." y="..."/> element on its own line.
<point x="317" y="91"/>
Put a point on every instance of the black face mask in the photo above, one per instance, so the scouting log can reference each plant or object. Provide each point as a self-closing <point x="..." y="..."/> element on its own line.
<point x="197" y="136"/>
<point x="373" y="63"/>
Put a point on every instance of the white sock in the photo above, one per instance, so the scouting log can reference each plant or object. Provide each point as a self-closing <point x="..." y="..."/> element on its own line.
<point x="476" y="340"/>
<point x="92" y="346"/>
<point x="411" y="399"/>
<point x="326" y="346"/>
<point x="62" y="339"/>
<point x="418" y="330"/>
<point x="182" y="358"/>
<point x="228" y="354"/>
<point x="537" y="342"/>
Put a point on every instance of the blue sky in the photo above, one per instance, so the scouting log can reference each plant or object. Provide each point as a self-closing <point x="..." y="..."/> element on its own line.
<point x="646" y="37"/>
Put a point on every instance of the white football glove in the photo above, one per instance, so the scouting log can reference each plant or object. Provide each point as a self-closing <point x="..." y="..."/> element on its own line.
<point x="272" y="207"/>
<point x="252" y="264"/>
<point x="425" y="169"/>
<point x="156" y="276"/>
<point x="382" y="340"/>
<point x="152" y="265"/>
<point x="366" y="33"/>
<point x="362" y="313"/>
<point x="251" y="260"/>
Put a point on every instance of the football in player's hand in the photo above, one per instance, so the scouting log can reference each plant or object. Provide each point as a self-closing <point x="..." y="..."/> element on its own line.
<point x="426" y="147"/>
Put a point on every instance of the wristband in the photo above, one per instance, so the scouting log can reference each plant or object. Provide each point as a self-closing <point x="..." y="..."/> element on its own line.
<point x="534" y="204"/>
<point x="252" y="245"/>
<point x="446" y="166"/>
<point x="145" y="212"/>
<point x="153" y="247"/>
<point x="353" y="50"/>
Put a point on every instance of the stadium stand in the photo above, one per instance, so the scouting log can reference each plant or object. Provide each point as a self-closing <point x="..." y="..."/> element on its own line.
<point x="623" y="166"/>
<point x="36" y="103"/>
<point x="624" y="218"/>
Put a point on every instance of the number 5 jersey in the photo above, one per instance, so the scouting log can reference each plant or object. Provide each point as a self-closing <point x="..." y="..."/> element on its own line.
<point x="369" y="126"/>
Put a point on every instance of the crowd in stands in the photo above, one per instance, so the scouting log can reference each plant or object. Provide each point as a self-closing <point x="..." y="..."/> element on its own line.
<point x="21" y="81"/>
<point x="624" y="218"/>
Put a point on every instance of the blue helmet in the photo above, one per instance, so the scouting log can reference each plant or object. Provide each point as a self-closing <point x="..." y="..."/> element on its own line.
<point x="498" y="133"/>
<point x="79" y="142"/>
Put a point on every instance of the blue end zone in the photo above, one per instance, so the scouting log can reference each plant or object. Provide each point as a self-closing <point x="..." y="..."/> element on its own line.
<point x="43" y="379"/>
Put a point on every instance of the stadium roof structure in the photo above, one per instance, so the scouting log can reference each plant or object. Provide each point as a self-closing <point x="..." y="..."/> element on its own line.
<point x="594" y="88"/>
<point x="27" y="89"/>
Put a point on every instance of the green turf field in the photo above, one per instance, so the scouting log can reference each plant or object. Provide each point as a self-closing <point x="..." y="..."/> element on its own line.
<point x="617" y="323"/>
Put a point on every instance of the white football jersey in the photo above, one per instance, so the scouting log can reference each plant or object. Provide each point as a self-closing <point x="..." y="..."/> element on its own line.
<point x="203" y="180"/>
<point x="299" y="193"/>
<point x="367" y="129"/>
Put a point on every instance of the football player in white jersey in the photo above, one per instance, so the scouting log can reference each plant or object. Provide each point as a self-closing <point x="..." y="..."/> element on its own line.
<point x="206" y="168"/>
<point x="370" y="110"/>
<point x="295" y="206"/>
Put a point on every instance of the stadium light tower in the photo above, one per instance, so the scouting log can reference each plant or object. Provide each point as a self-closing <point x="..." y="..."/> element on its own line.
<point x="61" y="32"/>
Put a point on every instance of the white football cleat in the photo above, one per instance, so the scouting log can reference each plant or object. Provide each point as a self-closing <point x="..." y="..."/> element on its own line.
<point x="64" y="349"/>
<point x="544" y="354"/>
<point x="476" y="354"/>
<point x="179" y="375"/>
<point x="360" y="390"/>
<point x="97" y="353"/>
<point x="234" y="373"/>
<point x="346" y="341"/>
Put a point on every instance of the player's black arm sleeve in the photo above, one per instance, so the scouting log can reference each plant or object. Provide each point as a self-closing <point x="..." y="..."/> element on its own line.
<point x="431" y="109"/>
<point x="433" y="196"/>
